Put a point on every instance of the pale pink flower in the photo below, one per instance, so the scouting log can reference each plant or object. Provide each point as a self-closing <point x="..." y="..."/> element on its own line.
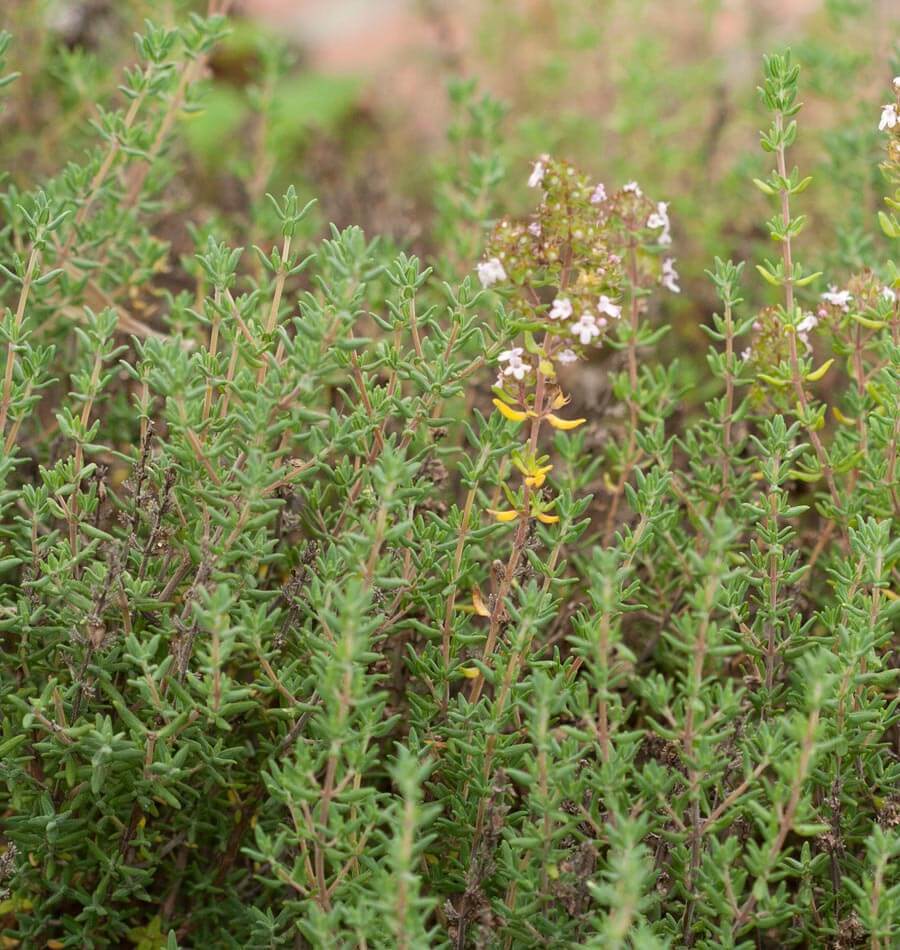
<point x="515" y="365"/>
<point x="660" y="219"/>
<point x="567" y="356"/>
<point x="809" y="322"/>
<point x="585" y="328"/>
<point x="838" y="298"/>
<point x="561" y="309"/>
<point x="599" y="195"/>
<point x="537" y="172"/>
<point x="490" y="272"/>
<point x="605" y="305"/>
<point x="669" y="277"/>
<point x="889" y="117"/>
<point x="634" y="188"/>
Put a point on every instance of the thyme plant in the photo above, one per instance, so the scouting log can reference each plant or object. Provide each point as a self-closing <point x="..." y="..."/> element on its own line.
<point x="325" y="621"/>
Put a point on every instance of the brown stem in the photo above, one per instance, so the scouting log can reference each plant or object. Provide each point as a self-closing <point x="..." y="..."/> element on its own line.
<point x="498" y="608"/>
<point x="786" y="819"/>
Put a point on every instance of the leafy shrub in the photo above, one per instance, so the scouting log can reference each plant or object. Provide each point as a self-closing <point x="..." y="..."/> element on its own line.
<point x="311" y="639"/>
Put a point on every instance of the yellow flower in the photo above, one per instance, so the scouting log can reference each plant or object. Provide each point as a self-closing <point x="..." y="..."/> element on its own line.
<point x="509" y="413"/>
<point x="531" y="468"/>
<point x="537" y="475"/>
<point x="544" y="518"/>
<point x="479" y="604"/>
<point x="504" y="516"/>
<point x="470" y="672"/>
<point x="558" y="423"/>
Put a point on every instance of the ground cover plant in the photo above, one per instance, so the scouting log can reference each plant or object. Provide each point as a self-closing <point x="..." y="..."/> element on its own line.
<point x="333" y="612"/>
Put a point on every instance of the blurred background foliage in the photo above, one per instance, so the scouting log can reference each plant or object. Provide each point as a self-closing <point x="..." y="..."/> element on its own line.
<point x="387" y="111"/>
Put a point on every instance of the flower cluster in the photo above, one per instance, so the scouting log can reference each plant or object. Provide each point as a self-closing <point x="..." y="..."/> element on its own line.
<point x="575" y="243"/>
<point x="567" y="270"/>
<point x="768" y="342"/>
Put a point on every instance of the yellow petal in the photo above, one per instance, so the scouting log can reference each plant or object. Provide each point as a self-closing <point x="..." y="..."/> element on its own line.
<point x="503" y="515"/>
<point x="470" y="672"/>
<point x="508" y="412"/>
<point x="544" y="518"/>
<point x="478" y="603"/>
<point x="536" y="480"/>
<point x="560" y="400"/>
<point x="558" y="423"/>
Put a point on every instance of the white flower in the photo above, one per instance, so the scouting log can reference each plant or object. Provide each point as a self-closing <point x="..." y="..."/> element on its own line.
<point x="599" y="195"/>
<point x="561" y="309"/>
<point x="586" y="328"/>
<point x="537" y="172"/>
<point x="660" y="217"/>
<point x="567" y="356"/>
<point x="809" y="322"/>
<point x="490" y="272"/>
<point x="887" y="292"/>
<point x="669" y="277"/>
<point x="838" y="298"/>
<point x="634" y="188"/>
<point x="746" y="355"/>
<point x="534" y="228"/>
<point x="889" y="117"/>
<point x="605" y="305"/>
<point x="896" y="83"/>
<point x="515" y="366"/>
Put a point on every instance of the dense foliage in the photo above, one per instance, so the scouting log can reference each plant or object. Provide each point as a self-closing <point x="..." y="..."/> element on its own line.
<point x="325" y="621"/>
